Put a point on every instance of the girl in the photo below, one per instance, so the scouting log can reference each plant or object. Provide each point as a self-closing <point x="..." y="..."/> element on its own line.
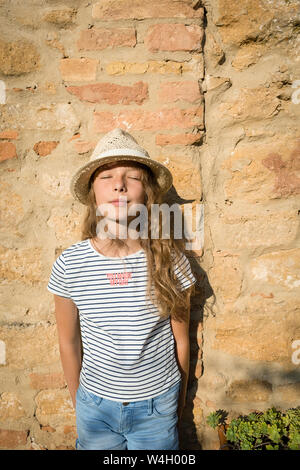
<point x="122" y="305"/>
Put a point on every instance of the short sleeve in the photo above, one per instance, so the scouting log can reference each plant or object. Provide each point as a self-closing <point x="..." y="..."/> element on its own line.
<point x="183" y="272"/>
<point x="57" y="282"/>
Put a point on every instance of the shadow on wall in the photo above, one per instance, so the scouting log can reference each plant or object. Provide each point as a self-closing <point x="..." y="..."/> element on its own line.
<point x="260" y="388"/>
<point x="192" y="419"/>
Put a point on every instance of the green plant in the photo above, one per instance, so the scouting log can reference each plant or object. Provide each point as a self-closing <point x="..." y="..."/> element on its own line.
<point x="268" y="430"/>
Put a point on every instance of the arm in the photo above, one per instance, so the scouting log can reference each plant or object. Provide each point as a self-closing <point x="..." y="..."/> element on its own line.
<point x="182" y="342"/>
<point x="68" y="328"/>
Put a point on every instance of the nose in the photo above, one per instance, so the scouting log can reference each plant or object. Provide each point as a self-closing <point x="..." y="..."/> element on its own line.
<point x="119" y="183"/>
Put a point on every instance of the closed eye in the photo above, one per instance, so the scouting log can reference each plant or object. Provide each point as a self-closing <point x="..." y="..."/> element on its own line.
<point x="131" y="177"/>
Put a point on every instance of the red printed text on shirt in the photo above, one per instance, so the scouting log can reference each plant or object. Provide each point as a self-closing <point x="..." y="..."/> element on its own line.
<point x="119" y="279"/>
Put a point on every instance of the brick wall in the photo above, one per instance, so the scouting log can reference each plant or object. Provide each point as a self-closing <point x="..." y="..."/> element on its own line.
<point x="211" y="90"/>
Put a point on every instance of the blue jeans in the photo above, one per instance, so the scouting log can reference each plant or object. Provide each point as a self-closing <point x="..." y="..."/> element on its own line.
<point x="141" y="425"/>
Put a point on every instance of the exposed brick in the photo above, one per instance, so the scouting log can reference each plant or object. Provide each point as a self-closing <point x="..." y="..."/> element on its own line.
<point x="7" y="151"/>
<point x="78" y="70"/>
<point x="44" y="148"/>
<point x="175" y="91"/>
<point x="9" y="134"/>
<point x="111" y="93"/>
<point x="10" y="439"/>
<point x="174" y="37"/>
<point x="69" y="429"/>
<point x="75" y="136"/>
<point x="139" y="9"/>
<point x="178" y="139"/>
<point x="46" y="381"/>
<point x="98" y="39"/>
<point x="82" y="146"/>
<point x="105" y="121"/>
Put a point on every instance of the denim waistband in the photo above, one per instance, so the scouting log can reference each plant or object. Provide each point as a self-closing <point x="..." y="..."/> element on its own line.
<point x="140" y="403"/>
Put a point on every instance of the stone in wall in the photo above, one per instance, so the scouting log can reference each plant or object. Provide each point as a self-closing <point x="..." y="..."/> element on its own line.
<point x="55" y="408"/>
<point x="30" y="346"/>
<point x="67" y="226"/>
<point x="10" y="407"/>
<point x="194" y="64"/>
<point x="278" y="269"/>
<point x="185" y="174"/>
<point x="46" y="117"/>
<point x="62" y="17"/>
<point x="138" y="9"/>
<point x="247" y="391"/>
<point x="246" y="104"/>
<point x="226" y="265"/>
<point x="241" y="22"/>
<point x="11" y="208"/>
<point x="57" y="186"/>
<point x="234" y="228"/>
<point x="264" y="171"/>
<point x="259" y="327"/>
<point x="21" y="264"/>
<point x="18" y="57"/>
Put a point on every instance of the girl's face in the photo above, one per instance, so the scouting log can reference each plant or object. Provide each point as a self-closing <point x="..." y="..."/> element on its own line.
<point x="119" y="186"/>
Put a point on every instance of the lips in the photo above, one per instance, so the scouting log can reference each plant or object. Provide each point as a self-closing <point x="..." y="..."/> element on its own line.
<point x="119" y="202"/>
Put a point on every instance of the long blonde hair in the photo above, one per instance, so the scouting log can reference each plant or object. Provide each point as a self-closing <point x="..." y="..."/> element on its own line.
<point x="163" y="288"/>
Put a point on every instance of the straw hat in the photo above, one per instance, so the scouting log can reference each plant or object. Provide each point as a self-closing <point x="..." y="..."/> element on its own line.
<point x="117" y="145"/>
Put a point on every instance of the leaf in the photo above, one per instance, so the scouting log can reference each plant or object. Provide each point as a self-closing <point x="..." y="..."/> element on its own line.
<point x="270" y="447"/>
<point x="214" y="419"/>
<point x="271" y="430"/>
<point x="274" y="434"/>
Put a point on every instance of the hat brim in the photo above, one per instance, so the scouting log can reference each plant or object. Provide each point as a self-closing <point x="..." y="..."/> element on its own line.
<point x="79" y="185"/>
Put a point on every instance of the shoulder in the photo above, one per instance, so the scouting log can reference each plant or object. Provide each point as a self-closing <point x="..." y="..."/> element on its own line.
<point x="74" y="250"/>
<point x="182" y="270"/>
<point x="179" y="259"/>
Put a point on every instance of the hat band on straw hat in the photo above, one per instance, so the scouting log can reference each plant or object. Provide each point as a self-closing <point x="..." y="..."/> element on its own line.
<point x="124" y="151"/>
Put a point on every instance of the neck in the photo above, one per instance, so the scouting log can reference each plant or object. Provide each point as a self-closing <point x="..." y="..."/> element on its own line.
<point x="117" y="229"/>
<point x="117" y="239"/>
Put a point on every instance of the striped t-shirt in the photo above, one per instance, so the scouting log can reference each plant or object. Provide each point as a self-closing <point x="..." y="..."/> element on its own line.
<point x="128" y="350"/>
